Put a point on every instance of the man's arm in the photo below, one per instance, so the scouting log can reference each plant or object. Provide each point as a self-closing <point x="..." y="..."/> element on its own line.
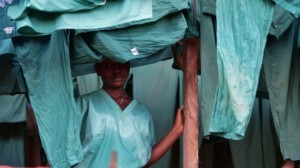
<point x="168" y="140"/>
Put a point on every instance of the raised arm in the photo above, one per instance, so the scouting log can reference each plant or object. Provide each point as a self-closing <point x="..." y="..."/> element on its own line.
<point x="168" y="140"/>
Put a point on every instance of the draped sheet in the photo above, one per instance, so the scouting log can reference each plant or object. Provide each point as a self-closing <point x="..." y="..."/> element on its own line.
<point x="46" y="65"/>
<point x="242" y="28"/>
<point x="134" y="42"/>
<point x="282" y="72"/>
<point x="42" y="17"/>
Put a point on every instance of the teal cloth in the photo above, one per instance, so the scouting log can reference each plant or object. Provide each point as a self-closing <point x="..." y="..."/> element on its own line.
<point x="292" y="6"/>
<point x="82" y="69"/>
<point x="46" y="65"/>
<point x="240" y="47"/>
<point x="7" y="26"/>
<point x="35" y="22"/>
<point x="160" y="9"/>
<point x="13" y="108"/>
<point x="282" y="69"/>
<point x="106" y="128"/>
<point x="22" y="7"/>
<point x="6" y="47"/>
<point x="192" y="17"/>
<point x="208" y="7"/>
<point x="129" y="43"/>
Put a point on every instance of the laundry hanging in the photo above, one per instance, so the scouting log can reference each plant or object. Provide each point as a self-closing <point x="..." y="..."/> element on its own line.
<point x="129" y="43"/>
<point x="241" y="37"/>
<point x="282" y="68"/>
<point x="46" y="65"/>
<point x="30" y="21"/>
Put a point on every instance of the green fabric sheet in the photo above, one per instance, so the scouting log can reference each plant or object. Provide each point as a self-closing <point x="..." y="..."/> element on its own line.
<point x="129" y="43"/>
<point x="46" y="65"/>
<point x="36" y="22"/>
<point x="241" y="38"/>
<point x="22" y="7"/>
<point x="160" y="9"/>
<point x="13" y="108"/>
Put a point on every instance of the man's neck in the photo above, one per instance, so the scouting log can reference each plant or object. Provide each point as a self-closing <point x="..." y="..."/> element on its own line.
<point x="115" y="93"/>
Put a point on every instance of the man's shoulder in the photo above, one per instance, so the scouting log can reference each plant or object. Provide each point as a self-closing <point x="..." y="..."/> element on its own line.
<point x="142" y="108"/>
<point x="88" y="96"/>
<point x="91" y="94"/>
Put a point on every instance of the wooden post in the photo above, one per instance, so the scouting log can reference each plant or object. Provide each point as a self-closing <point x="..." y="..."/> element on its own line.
<point x="190" y="135"/>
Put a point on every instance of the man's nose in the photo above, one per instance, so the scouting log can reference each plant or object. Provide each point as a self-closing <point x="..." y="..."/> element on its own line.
<point x="117" y="68"/>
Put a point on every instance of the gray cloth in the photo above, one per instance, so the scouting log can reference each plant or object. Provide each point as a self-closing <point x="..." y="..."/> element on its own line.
<point x="209" y="70"/>
<point x="282" y="69"/>
<point x="282" y="20"/>
<point x="293" y="6"/>
<point x="46" y="65"/>
<point x="259" y="148"/>
<point x="12" y="150"/>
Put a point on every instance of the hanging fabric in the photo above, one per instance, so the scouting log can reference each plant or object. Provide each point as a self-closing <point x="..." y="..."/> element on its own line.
<point x="282" y="69"/>
<point x="36" y="19"/>
<point x="134" y="42"/>
<point x="240" y="47"/>
<point x="46" y="65"/>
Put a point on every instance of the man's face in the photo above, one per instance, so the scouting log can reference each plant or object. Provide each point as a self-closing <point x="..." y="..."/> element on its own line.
<point x="113" y="74"/>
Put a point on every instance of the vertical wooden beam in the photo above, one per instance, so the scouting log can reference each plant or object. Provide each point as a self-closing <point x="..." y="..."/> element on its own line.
<point x="190" y="135"/>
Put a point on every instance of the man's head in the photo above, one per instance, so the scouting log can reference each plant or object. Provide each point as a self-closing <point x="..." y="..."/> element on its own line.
<point x="113" y="74"/>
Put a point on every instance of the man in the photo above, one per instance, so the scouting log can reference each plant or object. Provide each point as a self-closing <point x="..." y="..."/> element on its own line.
<point x="113" y="122"/>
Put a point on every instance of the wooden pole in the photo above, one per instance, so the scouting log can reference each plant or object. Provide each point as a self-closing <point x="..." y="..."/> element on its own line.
<point x="190" y="135"/>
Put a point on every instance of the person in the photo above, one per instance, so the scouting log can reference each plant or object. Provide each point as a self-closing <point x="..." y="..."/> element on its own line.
<point x="115" y="125"/>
